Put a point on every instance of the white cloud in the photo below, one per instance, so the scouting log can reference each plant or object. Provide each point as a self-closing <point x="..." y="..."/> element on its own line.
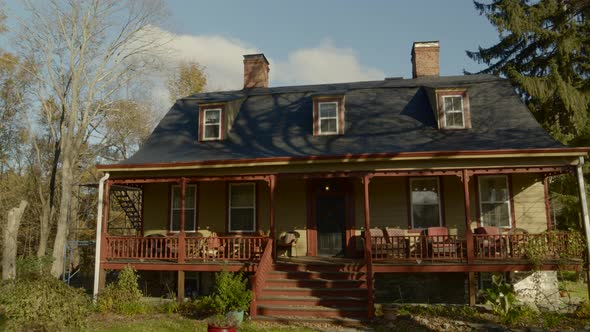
<point x="323" y="64"/>
<point x="222" y="58"/>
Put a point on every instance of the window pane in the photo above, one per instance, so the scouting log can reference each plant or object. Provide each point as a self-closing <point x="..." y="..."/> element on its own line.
<point x="425" y="191"/>
<point x="242" y="196"/>
<point x="242" y="219"/>
<point x="189" y="220"/>
<point x="176" y="197"/>
<point x="189" y="199"/>
<point x="211" y="131"/>
<point x="328" y="110"/>
<point x="455" y="119"/>
<point x="176" y="220"/>
<point x="456" y="103"/>
<point x="212" y="116"/>
<point x="448" y="104"/>
<point x="495" y="214"/>
<point x="493" y="189"/>
<point x="328" y="126"/>
<point x="425" y="216"/>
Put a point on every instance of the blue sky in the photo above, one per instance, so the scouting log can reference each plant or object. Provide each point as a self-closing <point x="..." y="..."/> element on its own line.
<point x="319" y="41"/>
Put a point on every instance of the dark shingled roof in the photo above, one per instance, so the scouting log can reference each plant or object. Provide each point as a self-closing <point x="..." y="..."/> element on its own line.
<point x="389" y="116"/>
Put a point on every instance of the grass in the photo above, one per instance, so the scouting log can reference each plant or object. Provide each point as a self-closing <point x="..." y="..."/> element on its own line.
<point x="576" y="289"/>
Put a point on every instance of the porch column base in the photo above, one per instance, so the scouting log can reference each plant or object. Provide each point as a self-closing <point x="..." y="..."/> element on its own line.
<point x="180" y="291"/>
<point x="471" y="277"/>
<point x="102" y="279"/>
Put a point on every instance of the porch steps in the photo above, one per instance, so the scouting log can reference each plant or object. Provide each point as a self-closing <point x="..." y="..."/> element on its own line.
<point x="314" y="291"/>
<point x="343" y="322"/>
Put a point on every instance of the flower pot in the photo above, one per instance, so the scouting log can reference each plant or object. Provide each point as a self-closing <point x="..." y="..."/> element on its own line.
<point x="238" y="316"/>
<point x="213" y="328"/>
<point x="389" y="311"/>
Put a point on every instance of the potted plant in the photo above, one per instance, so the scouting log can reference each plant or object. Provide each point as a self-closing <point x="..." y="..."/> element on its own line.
<point x="230" y="296"/>
<point x="221" y="323"/>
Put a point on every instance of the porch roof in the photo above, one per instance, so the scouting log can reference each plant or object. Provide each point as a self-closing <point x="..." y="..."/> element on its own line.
<point x="386" y="117"/>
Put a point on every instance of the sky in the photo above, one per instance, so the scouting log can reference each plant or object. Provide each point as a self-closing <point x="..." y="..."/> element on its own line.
<point x="318" y="41"/>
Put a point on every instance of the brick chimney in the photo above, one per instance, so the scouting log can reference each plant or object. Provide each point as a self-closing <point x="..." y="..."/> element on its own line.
<point x="425" y="59"/>
<point x="256" y="70"/>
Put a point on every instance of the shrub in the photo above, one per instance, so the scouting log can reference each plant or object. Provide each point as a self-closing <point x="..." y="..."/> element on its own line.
<point x="500" y="296"/>
<point x="32" y="267"/>
<point x="230" y="293"/>
<point x="123" y="296"/>
<point x="43" y="303"/>
<point x="582" y="311"/>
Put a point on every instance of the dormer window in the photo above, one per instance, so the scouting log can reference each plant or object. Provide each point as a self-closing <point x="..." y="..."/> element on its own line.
<point x="453" y="109"/>
<point x="212" y="126"/>
<point x="328" y="115"/>
<point x="328" y="118"/>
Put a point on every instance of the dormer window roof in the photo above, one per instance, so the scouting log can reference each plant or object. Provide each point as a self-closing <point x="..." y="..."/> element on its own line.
<point x="328" y="115"/>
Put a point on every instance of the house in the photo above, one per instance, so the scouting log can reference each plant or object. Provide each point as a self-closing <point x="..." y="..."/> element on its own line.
<point x="320" y="191"/>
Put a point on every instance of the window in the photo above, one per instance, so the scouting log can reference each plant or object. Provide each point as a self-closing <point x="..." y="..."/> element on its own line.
<point x="494" y="201"/>
<point x="425" y="200"/>
<point x="453" y="111"/>
<point x="212" y="124"/>
<point x="190" y="209"/>
<point x="328" y="118"/>
<point x="242" y="207"/>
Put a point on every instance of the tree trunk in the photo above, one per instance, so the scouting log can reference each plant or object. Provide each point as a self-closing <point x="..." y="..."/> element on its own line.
<point x="74" y="225"/>
<point x="61" y="234"/>
<point x="10" y="241"/>
<point x="44" y="229"/>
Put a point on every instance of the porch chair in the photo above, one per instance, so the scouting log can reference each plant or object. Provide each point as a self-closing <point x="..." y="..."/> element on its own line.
<point x="397" y="244"/>
<point x="491" y="245"/>
<point x="288" y="242"/>
<point x="213" y="247"/>
<point x="378" y="242"/>
<point x="439" y="243"/>
<point x="517" y="242"/>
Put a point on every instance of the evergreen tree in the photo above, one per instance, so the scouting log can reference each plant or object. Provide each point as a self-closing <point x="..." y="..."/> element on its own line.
<point x="544" y="50"/>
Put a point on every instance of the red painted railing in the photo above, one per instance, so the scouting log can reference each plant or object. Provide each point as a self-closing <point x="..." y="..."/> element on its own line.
<point x="544" y="246"/>
<point x="259" y="278"/>
<point x="146" y="248"/>
<point x="418" y="247"/>
<point x="244" y="248"/>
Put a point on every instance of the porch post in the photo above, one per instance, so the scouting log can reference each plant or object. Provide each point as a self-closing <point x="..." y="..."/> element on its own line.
<point x="271" y="213"/>
<point x="105" y="218"/>
<point x="584" y="203"/>
<point x="181" y="234"/>
<point x="368" y="255"/>
<point x="468" y="235"/>
<point x="547" y="205"/>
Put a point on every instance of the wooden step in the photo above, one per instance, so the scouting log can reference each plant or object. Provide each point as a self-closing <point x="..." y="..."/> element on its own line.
<point x="316" y="283"/>
<point x="326" y="301"/>
<point x="340" y="321"/>
<point x="285" y="267"/>
<point x="314" y="311"/>
<point x="317" y="275"/>
<point x="309" y="291"/>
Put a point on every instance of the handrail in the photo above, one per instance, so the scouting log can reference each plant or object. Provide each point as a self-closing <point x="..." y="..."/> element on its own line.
<point x="259" y="278"/>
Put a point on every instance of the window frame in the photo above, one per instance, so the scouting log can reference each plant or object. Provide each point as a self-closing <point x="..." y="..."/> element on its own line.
<point x="205" y="124"/>
<point x="253" y="207"/>
<point x="445" y="112"/>
<point x="439" y="198"/>
<point x="508" y="200"/>
<point x="336" y="117"/>
<point x="172" y="209"/>
<point x="339" y="100"/>
<point x="439" y="110"/>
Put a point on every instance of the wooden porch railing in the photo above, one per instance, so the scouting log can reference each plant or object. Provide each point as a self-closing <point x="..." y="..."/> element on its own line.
<point x="544" y="246"/>
<point x="245" y="248"/>
<point x="418" y="247"/>
<point x="259" y="279"/>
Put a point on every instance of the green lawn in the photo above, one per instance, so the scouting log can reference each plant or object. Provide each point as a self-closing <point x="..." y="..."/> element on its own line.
<point x="165" y="323"/>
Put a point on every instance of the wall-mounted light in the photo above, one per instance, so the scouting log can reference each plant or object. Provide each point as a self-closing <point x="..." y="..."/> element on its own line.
<point x="326" y="188"/>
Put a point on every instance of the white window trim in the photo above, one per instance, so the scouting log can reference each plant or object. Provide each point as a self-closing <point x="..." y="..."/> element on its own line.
<point x="439" y="200"/>
<point x="337" y="117"/>
<point x="205" y="124"/>
<point x="507" y="201"/>
<point x="230" y="207"/>
<point x="453" y="111"/>
<point x="172" y="209"/>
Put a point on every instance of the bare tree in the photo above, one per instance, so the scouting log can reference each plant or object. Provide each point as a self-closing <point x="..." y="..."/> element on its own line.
<point x="10" y="241"/>
<point x="87" y="52"/>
